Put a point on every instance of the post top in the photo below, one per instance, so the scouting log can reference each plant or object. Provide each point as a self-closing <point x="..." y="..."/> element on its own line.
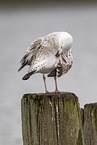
<point x="52" y="95"/>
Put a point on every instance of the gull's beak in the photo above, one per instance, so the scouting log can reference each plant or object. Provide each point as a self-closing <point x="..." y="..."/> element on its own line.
<point x="57" y="54"/>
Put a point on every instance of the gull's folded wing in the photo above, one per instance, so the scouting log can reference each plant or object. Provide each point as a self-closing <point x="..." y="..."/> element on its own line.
<point x="31" y="51"/>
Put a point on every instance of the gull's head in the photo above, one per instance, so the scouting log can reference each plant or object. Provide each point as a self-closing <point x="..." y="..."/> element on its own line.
<point x="66" y="41"/>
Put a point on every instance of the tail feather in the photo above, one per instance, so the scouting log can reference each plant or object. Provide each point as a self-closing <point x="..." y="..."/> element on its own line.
<point x="52" y="73"/>
<point x="27" y="76"/>
<point x="23" y="65"/>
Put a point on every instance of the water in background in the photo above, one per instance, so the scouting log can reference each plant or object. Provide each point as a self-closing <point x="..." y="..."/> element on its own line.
<point x="18" y="28"/>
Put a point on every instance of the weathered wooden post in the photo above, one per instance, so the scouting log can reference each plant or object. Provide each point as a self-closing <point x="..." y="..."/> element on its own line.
<point x="89" y="124"/>
<point x="51" y="119"/>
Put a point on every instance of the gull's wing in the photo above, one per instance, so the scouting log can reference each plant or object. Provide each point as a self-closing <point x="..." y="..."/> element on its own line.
<point x="31" y="51"/>
<point x="65" y="63"/>
<point x="63" y="66"/>
<point x="34" y="45"/>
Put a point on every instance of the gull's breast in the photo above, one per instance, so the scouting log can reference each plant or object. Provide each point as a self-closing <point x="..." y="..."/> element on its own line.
<point x="45" y="63"/>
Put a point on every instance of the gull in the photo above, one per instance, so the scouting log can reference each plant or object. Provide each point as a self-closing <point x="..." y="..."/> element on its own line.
<point x="51" y="55"/>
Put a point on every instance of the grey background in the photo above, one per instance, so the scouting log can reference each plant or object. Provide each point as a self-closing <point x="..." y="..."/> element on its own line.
<point x="19" y="26"/>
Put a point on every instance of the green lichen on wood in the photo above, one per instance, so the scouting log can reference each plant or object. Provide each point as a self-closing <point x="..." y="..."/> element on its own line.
<point x="51" y="119"/>
<point x="80" y="137"/>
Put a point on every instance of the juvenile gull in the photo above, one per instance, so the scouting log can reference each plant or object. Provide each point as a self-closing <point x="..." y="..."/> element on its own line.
<point x="50" y="55"/>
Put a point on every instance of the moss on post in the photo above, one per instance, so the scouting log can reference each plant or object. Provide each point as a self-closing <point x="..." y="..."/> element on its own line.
<point x="51" y="119"/>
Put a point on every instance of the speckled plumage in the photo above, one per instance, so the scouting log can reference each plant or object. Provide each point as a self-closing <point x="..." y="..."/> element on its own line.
<point x="50" y="55"/>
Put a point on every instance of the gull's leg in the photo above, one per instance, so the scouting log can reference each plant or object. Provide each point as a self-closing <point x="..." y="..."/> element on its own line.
<point x="56" y="90"/>
<point x="45" y="84"/>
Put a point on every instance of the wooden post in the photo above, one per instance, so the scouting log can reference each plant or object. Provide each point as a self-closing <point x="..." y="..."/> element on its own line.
<point x="89" y="123"/>
<point x="51" y="119"/>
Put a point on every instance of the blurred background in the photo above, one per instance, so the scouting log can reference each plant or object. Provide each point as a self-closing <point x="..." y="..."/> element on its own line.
<point x="21" y="22"/>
